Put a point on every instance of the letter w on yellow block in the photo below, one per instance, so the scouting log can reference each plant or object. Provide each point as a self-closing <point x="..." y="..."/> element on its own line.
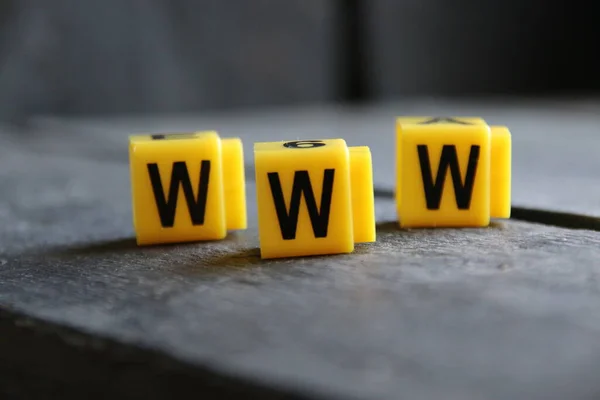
<point x="186" y="187"/>
<point x="451" y="172"/>
<point x="314" y="197"/>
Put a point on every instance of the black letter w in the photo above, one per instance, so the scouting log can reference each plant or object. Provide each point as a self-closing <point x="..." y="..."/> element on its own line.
<point x="288" y="221"/>
<point x="180" y="175"/>
<point x="449" y="159"/>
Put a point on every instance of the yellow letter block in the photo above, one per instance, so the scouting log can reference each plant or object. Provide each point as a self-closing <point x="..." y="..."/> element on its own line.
<point x="314" y="197"/>
<point x="186" y="187"/>
<point x="451" y="172"/>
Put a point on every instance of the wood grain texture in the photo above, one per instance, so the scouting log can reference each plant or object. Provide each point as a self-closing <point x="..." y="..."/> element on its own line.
<point x="503" y="312"/>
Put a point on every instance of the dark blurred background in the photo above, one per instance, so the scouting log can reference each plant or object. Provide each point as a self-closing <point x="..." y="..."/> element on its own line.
<point x="71" y="57"/>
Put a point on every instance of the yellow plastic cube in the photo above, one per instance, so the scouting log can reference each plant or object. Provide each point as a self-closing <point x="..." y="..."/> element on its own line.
<point x="500" y="175"/>
<point x="186" y="187"/>
<point x="451" y="172"/>
<point x="314" y="197"/>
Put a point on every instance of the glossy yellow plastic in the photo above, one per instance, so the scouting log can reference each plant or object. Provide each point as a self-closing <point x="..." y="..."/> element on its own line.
<point x="363" y="197"/>
<point x="178" y="189"/>
<point x="305" y="197"/>
<point x="500" y="185"/>
<point x="448" y="169"/>
<point x="234" y="184"/>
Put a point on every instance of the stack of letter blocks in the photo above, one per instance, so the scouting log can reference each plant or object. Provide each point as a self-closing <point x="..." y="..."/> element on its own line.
<point x="316" y="196"/>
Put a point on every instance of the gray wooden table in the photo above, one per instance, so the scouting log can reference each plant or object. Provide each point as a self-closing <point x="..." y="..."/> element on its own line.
<point x="511" y="311"/>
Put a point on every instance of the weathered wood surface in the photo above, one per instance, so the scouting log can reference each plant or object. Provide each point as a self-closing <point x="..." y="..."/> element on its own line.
<point x="504" y="312"/>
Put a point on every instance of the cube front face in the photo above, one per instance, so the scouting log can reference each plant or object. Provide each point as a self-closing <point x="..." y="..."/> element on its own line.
<point x="177" y="187"/>
<point x="443" y="172"/>
<point x="304" y="198"/>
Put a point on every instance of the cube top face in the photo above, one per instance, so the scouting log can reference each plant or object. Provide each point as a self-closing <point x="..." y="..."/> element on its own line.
<point x="291" y="147"/>
<point x="177" y="188"/>
<point x="167" y="139"/>
<point x="304" y="198"/>
<point x="443" y="174"/>
<point x="436" y="121"/>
